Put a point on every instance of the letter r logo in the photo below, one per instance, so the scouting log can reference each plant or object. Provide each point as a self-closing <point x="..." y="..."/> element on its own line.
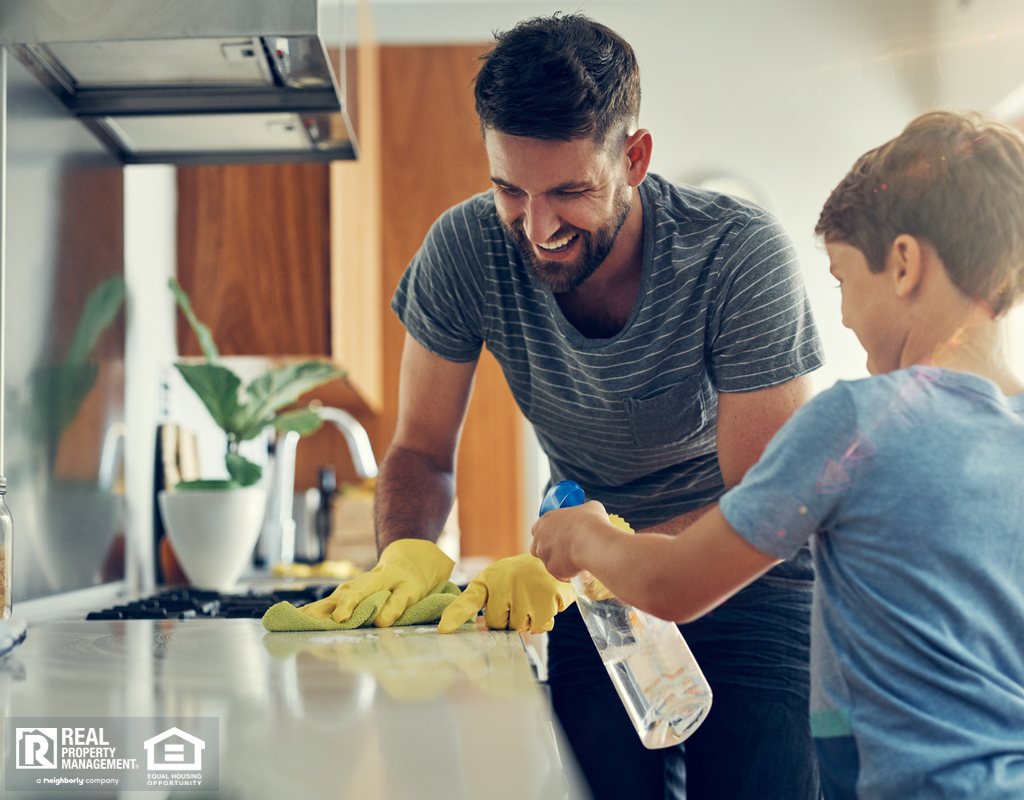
<point x="36" y="748"/>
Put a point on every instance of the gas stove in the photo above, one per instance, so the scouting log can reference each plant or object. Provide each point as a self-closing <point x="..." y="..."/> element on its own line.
<point x="189" y="603"/>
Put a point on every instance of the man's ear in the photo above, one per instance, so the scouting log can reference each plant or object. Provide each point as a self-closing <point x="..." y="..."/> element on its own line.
<point x="638" y="153"/>
<point x="905" y="264"/>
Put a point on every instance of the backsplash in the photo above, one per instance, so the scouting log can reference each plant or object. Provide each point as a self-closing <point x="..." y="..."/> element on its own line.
<point x="65" y="339"/>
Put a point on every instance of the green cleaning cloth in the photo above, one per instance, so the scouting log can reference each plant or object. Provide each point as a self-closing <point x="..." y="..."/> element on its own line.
<point x="285" y="617"/>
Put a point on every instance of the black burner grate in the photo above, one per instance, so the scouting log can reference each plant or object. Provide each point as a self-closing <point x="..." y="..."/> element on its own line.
<point x="187" y="603"/>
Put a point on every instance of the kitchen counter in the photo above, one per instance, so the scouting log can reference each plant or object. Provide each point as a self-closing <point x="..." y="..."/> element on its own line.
<point x="371" y="713"/>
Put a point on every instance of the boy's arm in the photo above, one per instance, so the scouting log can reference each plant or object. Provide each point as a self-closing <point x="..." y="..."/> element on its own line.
<point x="678" y="578"/>
<point x="746" y="423"/>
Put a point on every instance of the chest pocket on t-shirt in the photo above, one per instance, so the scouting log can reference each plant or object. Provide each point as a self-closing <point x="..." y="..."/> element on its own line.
<point x="668" y="416"/>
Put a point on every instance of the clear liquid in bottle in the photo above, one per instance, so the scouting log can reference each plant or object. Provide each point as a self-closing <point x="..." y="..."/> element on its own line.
<point x="658" y="680"/>
<point x="656" y="676"/>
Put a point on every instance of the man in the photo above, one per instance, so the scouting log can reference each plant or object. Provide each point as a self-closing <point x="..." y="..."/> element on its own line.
<point x="656" y="337"/>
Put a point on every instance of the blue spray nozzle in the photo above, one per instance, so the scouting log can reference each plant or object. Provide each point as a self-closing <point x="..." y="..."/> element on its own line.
<point x="562" y="495"/>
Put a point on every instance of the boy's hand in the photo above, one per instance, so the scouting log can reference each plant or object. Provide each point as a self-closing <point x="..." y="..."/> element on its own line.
<point x="557" y="534"/>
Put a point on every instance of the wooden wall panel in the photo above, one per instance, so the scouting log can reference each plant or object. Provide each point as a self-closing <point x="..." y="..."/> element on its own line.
<point x="90" y="250"/>
<point x="433" y="157"/>
<point x="356" y="303"/>
<point x="357" y="307"/>
<point x="254" y="254"/>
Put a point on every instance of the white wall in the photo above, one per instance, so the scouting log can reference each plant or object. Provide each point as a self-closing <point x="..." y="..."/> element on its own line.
<point x="784" y="94"/>
<point x="150" y="254"/>
<point x="979" y="53"/>
<point x="774" y="93"/>
<point x="981" y="56"/>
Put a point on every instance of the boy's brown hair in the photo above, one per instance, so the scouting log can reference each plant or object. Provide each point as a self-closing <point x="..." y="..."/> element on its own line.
<point x="954" y="179"/>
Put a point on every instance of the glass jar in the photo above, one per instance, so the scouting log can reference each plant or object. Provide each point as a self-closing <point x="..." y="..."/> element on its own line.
<point x="6" y="563"/>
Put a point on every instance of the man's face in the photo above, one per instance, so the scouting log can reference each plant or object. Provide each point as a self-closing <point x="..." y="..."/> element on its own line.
<point x="868" y="306"/>
<point x="563" y="203"/>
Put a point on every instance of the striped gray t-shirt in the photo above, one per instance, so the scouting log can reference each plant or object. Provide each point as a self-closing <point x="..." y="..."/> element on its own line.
<point x="721" y="308"/>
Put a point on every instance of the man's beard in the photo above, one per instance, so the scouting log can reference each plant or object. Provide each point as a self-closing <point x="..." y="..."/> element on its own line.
<point x="564" y="276"/>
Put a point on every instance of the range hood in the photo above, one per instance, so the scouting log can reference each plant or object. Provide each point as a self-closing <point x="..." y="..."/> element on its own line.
<point x="191" y="81"/>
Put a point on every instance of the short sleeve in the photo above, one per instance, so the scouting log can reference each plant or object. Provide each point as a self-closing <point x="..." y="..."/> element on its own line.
<point x="762" y="330"/>
<point x="795" y="487"/>
<point x="440" y="296"/>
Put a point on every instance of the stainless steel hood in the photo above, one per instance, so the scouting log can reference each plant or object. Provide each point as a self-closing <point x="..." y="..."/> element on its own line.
<point x="191" y="81"/>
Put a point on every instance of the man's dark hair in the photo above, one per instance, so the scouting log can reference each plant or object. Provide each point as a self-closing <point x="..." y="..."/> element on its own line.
<point x="954" y="179"/>
<point x="559" y="78"/>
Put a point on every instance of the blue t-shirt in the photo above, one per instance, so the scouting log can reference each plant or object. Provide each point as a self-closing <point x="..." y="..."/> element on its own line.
<point x="910" y="487"/>
<point x="721" y="308"/>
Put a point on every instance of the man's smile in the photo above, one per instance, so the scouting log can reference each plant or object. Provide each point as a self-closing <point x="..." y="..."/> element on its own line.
<point x="560" y="244"/>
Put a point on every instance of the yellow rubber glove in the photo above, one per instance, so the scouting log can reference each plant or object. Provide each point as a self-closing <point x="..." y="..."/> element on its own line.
<point x="515" y="593"/>
<point x="408" y="568"/>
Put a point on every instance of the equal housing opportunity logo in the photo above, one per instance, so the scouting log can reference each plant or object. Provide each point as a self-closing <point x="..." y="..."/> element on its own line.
<point x="168" y="751"/>
<point x="126" y="753"/>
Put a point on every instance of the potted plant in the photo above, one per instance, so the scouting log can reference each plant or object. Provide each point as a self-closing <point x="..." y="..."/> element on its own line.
<point x="213" y="525"/>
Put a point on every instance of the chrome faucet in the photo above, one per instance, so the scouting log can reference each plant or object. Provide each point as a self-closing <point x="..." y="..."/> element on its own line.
<point x="277" y="541"/>
<point x="356" y="438"/>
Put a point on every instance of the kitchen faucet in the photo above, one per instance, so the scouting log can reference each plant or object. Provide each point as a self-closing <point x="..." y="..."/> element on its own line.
<point x="356" y="438"/>
<point x="277" y="541"/>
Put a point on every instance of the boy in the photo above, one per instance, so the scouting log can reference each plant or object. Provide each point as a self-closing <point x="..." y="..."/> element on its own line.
<point x="907" y="483"/>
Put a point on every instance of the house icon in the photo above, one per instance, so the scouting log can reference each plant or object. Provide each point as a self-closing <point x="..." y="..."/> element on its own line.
<point x="171" y="750"/>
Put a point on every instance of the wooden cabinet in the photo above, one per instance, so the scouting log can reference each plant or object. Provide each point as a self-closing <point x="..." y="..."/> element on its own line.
<point x="254" y="256"/>
<point x="302" y="260"/>
<point x="357" y="308"/>
<point x="433" y="158"/>
<point x="284" y="259"/>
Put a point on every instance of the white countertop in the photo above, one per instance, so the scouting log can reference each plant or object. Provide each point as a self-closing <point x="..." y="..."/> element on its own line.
<point x="371" y="713"/>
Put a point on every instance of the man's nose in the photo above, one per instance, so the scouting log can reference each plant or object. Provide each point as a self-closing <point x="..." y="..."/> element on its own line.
<point x="540" y="220"/>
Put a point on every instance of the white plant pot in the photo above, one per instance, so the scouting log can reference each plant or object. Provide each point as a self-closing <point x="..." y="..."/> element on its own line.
<point x="213" y="532"/>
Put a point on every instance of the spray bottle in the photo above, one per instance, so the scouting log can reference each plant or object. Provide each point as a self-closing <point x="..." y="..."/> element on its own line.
<point x="654" y="672"/>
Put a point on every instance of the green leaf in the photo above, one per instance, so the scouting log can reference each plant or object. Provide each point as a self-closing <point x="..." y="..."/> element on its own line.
<point x="202" y="332"/>
<point x="218" y="484"/>
<point x="279" y="387"/>
<point x="242" y="470"/>
<point x="101" y="309"/>
<point x="58" y="391"/>
<point x="217" y="387"/>
<point x="251" y="428"/>
<point x="303" y="421"/>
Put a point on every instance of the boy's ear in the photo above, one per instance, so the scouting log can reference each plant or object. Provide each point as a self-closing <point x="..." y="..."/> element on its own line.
<point x="905" y="264"/>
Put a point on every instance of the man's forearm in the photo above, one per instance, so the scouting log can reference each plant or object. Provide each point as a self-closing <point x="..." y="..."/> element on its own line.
<point x="413" y="498"/>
